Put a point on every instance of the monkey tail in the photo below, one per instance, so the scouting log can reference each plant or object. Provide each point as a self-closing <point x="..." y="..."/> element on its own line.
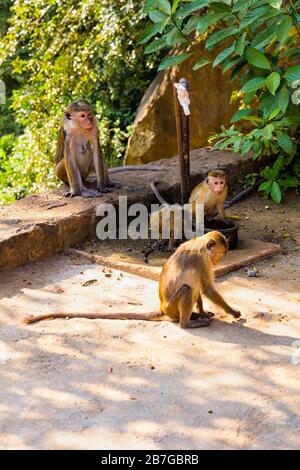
<point x="158" y="195"/>
<point x="151" y="316"/>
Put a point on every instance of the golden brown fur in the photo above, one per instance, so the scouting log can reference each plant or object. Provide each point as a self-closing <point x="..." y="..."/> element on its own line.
<point x="212" y="193"/>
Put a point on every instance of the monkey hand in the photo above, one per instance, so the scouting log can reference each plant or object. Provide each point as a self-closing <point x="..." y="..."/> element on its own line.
<point x="235" y="313"/>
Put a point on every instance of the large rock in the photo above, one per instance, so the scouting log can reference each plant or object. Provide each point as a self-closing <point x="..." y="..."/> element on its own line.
<point x="154" y="134"/>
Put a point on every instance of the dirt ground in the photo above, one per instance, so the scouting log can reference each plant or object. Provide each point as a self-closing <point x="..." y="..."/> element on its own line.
<point x="109" y="384"/>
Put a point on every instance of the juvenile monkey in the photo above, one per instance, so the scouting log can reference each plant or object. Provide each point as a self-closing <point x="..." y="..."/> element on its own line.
<point x="212" y="192"/>
<point x="186" y="275"/>
<point x="79" y="152"/>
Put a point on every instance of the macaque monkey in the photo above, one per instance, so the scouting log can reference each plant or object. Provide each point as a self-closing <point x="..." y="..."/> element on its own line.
<point x="212" y="192"/>
<point x="186" y="275"/>
<point x="79" y="152"/>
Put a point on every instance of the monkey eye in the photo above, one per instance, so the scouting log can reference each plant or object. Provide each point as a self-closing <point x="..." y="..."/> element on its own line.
<point x="82" y="115"/>
<point x="215" y="183"/>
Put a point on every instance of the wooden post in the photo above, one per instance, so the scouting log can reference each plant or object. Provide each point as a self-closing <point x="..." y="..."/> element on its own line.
<point x="186" y="152"/>
<point x="182" y="130"/>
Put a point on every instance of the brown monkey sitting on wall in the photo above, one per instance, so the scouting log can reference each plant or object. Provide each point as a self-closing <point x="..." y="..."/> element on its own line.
<point x="186" y="275"/>
<point x="79" y="152"/>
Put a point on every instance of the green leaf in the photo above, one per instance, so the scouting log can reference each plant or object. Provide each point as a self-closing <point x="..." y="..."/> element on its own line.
<point x="223" y="55"/>
<point x="265" y="186"/>
<point x="256" y="58"/>
<point x="207" y="20"/>
<point x="220" y="36"/>
<point x="151" y="31"/>
<point x="162" y="5"/>
<point x="264" y="37"/>
<point x="267" y="131"/>
<point x="283" y="99"/>
<point x="242" y="5"/>
<point x="292" y="74"/>
<point x="285" y="142"/>
<point x="173" y="37"/>
<point x="240" y="44"/>
<point x="274" y="114"/>
<point x="156" y="16"/>
<point x="294" y="51"/>
<point x="278" y="165"/>
<point x="174" y="60"/>
<point x="246" y="147"/>
<point x="191" y="25"/>
<point x="155" y="45"/>
<point x="201" y="63"/>
<point x="237" y="143"/>
<point x="276" y="192"/>
<point x="253" y="85"/>
<point x="191" y="7"/>
<point x="174" y="6"/>
<point x="272" y="82"/>
<point x="150" y="5"/>
<point x="240" y="114"/>
<point x="228" y="65"/>
<point x="253" y="15"/>
<point x="220" y="7"/>
<point x="283" y="29"/>
<point x="289" y="121"/>
<point x="268" y="105"/>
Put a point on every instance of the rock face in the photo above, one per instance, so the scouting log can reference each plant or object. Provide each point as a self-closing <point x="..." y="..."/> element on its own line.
<point x="154" y="134"/>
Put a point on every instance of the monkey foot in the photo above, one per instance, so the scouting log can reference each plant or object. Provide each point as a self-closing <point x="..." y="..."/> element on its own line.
<point x="70" y="194"/>
<point x="196" y="316"/>
<point x="90" y="193"/>
<point x="201" y="322"/>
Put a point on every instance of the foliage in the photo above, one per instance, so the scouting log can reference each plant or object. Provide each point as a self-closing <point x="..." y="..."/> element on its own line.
<point x="258" y="42"/>
<point x="56" y="51"/>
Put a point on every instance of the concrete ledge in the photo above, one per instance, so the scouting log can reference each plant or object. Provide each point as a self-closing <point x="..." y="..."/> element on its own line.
<point x="41" y="225"/>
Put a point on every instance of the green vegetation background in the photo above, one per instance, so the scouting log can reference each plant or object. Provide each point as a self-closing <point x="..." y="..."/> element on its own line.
<point x="51" y="53"/>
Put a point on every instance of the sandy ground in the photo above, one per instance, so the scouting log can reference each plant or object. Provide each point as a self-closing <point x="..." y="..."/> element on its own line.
<point x="109" y="384"/>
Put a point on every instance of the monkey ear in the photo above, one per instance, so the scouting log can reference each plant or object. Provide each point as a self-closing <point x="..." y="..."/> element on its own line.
<point x="210" y="244"/>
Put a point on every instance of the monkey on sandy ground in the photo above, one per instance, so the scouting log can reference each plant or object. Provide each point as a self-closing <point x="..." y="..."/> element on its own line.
<point x="79" y="152"/>
<point x="186" y="275"/>
<point x="212" y="192"/>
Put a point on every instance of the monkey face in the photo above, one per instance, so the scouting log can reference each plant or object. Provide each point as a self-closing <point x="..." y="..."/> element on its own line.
<point x="217" y="254"/>
<point x="85" y="120"/>
<point x="217" y="184"/>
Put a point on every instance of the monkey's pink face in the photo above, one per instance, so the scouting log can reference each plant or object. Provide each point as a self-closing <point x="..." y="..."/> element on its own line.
<point x="85" y="120"/>
<point x="216" y="184"/>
